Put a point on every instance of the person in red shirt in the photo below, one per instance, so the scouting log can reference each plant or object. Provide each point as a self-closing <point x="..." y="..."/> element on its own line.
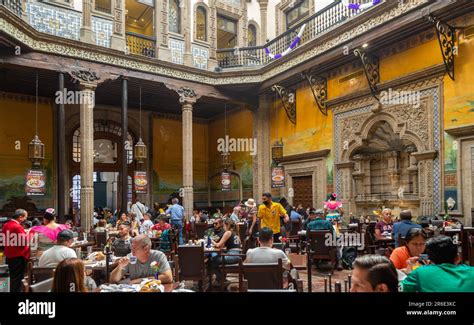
<point x="162" y="225"/>
<point x="17" y="249"/>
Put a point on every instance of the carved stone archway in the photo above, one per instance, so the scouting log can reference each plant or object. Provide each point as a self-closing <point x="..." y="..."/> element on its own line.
<point x="415" y="128"/>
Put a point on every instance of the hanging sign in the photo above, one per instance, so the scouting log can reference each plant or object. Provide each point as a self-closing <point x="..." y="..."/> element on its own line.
<point x="140" y="182"/>
<point x="35" y="182"/>
<point x="278" y="177"/>
<point x="225" y="181"/>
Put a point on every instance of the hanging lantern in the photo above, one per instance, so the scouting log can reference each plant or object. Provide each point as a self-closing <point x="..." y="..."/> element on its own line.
<point x="140" y="151"/>
<point x="36" y="151"/>
<point x="225" y="159"/>
<point x="277" y="151"/>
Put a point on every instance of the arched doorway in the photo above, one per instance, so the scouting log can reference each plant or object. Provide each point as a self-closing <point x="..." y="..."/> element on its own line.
<point x="108" y="149"/>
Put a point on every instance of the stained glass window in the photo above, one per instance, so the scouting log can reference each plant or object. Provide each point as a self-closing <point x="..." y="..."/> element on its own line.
<point x="174" y="16"/>
<point x="201" y="25"/>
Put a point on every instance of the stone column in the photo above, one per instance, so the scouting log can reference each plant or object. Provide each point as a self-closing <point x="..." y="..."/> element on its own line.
<point x="425" y="181"/>
<point x="61" y="154"/>
<point x="262" y="160"/>
<point x="87" y="154"/>
<point x="187" y="97"/>
<point x="161" y="30"/>
<point x="118" y="39"/>
<point x="87" y="35"/>
<point x="347" y="193"/>
<point x="263" y="21"/>
<point x="186" y="11"/>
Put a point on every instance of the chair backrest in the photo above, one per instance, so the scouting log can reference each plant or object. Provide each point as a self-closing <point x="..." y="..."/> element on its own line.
<point x="191" y="261"/>
<point x="262" y="276"/>
<point x="317" y="242"/>
<point x="470" y="250"/>
<point x="100" y="238"/>
<point x="43" y="286"/>
<point x="39" y="274"/>
<point x="370" y="233"/>
<point x="200" y="229"/>
<point x="296" y="225"/>
<point x="401" y="240"/>
<point x="242" y="229"/>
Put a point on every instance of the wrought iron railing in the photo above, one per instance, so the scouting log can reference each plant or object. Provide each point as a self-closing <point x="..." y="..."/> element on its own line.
<point x="317" y="24"/>
<point x="141" y="44"/>
<point x="14" y="6"/>
<point x="103" y="6"/>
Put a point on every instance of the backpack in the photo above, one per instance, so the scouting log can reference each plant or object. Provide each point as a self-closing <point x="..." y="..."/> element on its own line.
<point x="349" y="254"/>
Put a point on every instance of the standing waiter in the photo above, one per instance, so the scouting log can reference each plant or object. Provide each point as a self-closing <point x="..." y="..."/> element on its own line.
<point x="17" y="250"/>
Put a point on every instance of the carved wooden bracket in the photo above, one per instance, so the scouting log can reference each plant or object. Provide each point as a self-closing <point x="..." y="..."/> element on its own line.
<point x="319" y="88"/>
<point x="446" y="37"/>
<point x="85" y="76"/>
<point x="289" y="101"/>
<point x="186" y="94"/>
<point x="370" y="64"/>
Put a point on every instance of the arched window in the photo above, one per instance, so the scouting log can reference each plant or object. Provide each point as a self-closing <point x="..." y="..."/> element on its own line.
<point x="112" y="128"/>
<point x="201" y="24"/>
<point x="252" y="35"/>
<point x="174" y="16"/>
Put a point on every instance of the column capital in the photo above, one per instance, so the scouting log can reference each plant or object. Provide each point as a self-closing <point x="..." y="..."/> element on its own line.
<point x="187" y="96"/>
<point x="86" y="78"/>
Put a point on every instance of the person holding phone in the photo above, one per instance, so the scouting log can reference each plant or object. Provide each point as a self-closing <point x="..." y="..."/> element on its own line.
<point x="407" y="258"/>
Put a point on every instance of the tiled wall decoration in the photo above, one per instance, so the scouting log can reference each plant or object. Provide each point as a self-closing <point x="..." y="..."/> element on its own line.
<point x="200" y="56"/>
<point x="177" y="50"/>
<point x="102" y="29"/>
<point x="54" y="20"/>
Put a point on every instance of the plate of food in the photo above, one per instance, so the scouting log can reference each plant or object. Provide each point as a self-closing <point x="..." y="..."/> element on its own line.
<point x="141" y="182"/>
<point x="277" y="178"/>
<point x="151" y="286"/>
<point x="35" y="183"/>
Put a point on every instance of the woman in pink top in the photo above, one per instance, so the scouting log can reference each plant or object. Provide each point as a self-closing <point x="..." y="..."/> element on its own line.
<point x="48" y="232"/>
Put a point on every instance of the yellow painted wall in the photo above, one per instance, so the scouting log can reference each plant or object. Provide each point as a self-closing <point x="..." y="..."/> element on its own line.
<point x="239" y="125"/>
<point x="459" y="95"/>
<point x="312" y="132"/>
<point x="168" y="153"/>
<point x="18" y="123"/>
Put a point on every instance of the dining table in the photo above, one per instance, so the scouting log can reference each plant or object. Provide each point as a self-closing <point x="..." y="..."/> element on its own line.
<point x="168" y="287"/>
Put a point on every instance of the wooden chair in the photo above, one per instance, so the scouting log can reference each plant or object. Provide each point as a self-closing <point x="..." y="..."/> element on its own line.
<point x="191" y="264"/>
<point x="294" y="238"/>
<point x="466" y="233"/>
<point x="39" y="274"/>
<point x="470" y="250"/>
<point x="229" y="268"/>
<point x="43" y="286"/>
<point x="371" y="244"/>
<point x="200" y="229"/>
<point x="316" y="248"/>
<point x="268" y="276"/>
<point x="100" y="239"/>
<point x="401" y="240"/>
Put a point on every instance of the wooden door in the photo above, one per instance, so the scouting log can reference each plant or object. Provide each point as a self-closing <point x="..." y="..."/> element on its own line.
<point x="303" y="191"/>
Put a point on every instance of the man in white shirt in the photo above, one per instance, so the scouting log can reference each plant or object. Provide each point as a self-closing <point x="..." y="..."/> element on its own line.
<point x="139" y="209"/>
<point x="265" y="253"/>
<point x="59" y="252"/>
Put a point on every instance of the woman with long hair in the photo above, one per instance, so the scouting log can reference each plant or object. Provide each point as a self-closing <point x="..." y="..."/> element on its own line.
<point x="231" y="241"/>
<point x="69" y="276"/>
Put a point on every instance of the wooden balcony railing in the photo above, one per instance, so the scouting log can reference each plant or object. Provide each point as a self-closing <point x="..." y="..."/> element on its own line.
<point x="141" y="44"/>
<point x="13" y="5"/>
<point x="317" y="24"/>
<point x="104" y="6"/>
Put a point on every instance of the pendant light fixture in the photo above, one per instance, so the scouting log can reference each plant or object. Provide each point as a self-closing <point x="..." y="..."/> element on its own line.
<point x="225" y="153"/>
<point x="36" y="147"/>
<point x="140" y="151"/>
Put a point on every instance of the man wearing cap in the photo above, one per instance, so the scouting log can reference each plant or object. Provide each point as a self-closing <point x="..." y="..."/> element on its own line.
<point x="269" y="213"/>
<point x="59" y="252"/>
<point x="251" y="211"/>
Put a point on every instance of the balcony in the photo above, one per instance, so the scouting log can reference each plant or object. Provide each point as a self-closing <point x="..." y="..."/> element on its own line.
<point x="316" y="25"/>
<point x="141" y="44"/>
<point x="384" y="197"/>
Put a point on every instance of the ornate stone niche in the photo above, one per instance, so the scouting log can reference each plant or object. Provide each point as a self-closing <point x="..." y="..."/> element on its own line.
<point x="389" y="157"/>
